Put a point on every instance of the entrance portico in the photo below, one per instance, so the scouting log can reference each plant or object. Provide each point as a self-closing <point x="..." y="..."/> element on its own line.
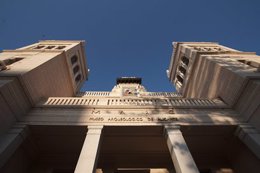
<point x="138" y="149"/>
<point x="130" y="130"/>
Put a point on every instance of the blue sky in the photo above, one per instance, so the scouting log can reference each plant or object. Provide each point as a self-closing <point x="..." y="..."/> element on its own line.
<point x="130" y="37"/>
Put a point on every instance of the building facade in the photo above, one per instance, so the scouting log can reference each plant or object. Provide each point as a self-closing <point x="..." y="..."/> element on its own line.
<point x="211" y="125"/>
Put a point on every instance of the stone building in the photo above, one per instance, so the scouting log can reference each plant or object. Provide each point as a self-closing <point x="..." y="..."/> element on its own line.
<point x="211" y="125"/>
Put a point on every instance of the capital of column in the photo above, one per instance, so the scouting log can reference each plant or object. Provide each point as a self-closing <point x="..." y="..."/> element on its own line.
<point x="244" y="129"/>
<point x="249" y="136"/>
<point x="172" y="129"/>
<point x="94" y="130"/>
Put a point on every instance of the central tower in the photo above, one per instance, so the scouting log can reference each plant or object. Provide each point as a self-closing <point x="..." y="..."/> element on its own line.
<point x="128" y="86"/>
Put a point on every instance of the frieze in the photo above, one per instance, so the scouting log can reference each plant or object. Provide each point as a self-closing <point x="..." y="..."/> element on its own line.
<point x="136" y="112"/>
<point x="126" y="119"/>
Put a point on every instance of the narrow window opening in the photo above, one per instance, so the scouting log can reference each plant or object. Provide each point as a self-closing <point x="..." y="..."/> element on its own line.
<point x="182" y="70"/>
<point x="12" y="60"/>
<point x="75" y="69"/>
<point x="39" y="47"/>
<point x="252" y="64"/>
<point x="6" y="62"/>
<point x="50" y="47"/>
<point x="242" y="61"/>
<point x="185" y="60"/>
<point x="74" y="59"/>
<point x="78" y="78"/>
<point x="179" y="79"/>
<point x="60" y="47"/>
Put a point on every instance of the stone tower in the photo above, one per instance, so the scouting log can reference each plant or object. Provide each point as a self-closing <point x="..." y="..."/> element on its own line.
<point x="210" y="70"/>
<point x="32" y="73"/>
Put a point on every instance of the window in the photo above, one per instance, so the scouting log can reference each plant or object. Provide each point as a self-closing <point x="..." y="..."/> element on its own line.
<point x="6" y="62"/>
<point x="50" y="47"/>
<point x="74" y="59"/>
<point x="78" y="78"/>
<point x="60" y="47"/>
<point x="252" y="64"/>
<point x="242" y="61"/>
<point x="185" y="60"/>
<point x="182" y="70"/>
<point x="208" y="48"/>
<point x="12" y="60"/>
<point x="75" y="69"/>
<point x="39" y="47"/>
<point x="179" y="79"/>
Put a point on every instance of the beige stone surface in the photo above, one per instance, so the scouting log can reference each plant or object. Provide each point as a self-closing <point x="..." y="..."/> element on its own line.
<point x="180" y="154"/>
<point x="44" y="119"/>
<point x="90" y="150"/>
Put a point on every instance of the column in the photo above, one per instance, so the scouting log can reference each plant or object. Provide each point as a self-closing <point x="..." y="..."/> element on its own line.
<point x="11" y="141"/>
<point x="249" y="136"/>
<point x="180" y="154"/>
<point x="89" y="152"/>
<point x="108" y="170"/>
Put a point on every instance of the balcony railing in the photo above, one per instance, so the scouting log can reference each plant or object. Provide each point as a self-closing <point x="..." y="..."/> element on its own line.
<point x="154" y="102"/>
<point x="144" y="94"/>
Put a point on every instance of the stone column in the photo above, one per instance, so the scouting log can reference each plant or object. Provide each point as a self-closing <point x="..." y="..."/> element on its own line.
<point x="89" y="152"/>
<point x="108" y="170"/>
<point x="249" y="136"/>
<point x="11" y="141"/>
<point x="180" y="154"/>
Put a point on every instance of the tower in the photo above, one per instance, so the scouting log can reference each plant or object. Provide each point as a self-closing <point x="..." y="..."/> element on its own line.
<point x="210" y="70"/>
<point x="32" y="73"/>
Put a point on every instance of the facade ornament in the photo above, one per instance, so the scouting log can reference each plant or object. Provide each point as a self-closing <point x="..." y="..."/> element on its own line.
<point x="94" y="111"/>
<point x="171" y="111"/>
<point x="121" y="112"/>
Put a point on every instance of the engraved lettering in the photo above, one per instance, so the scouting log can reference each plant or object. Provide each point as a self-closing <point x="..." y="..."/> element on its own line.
<point x="125" y="119"/>
<point x="167" y="119"/>
<point x="95" y="112"/>
<point x="150" y="118"/>
<point x="121" y="112"/>
<point x="96" y="119"/>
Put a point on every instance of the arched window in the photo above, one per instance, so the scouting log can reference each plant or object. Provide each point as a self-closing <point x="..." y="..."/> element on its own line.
<point x="74" y="59"/>
<point x="78" y="78"/>
<point x="179" y="79"/>
<point x="183" y="70"/>
<point x="75" y="69"/>
<point x="185" y="60"/>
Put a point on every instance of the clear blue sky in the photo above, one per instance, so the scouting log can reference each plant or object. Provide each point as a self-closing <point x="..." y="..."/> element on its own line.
<point x="130" y="37"/>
